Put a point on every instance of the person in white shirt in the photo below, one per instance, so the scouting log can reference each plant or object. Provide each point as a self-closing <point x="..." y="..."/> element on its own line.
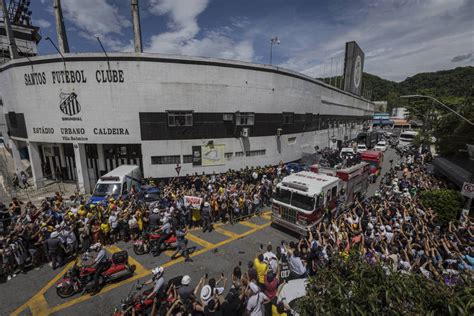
<point x="256" y="301"/>
<point x="270" y="258"/>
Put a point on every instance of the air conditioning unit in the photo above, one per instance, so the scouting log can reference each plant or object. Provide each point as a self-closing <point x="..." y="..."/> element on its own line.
<point x="279" y="131"/>
<point x="245" y="132"/>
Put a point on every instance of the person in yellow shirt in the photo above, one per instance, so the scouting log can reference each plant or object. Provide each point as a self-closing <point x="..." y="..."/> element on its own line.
<point x="261" y="268"/>
<point x="279" y="309"/>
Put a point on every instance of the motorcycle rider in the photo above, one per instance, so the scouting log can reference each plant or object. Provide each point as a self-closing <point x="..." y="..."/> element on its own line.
<point x="100" y="264"/>
<point x="154" y="219"/>
<point x="55" y="250"/>
<point x="165" y="230"/>
<point x="159" y="283"/>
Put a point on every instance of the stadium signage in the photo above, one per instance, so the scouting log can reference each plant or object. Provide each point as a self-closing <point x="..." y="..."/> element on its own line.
<point x="73" y="76"/>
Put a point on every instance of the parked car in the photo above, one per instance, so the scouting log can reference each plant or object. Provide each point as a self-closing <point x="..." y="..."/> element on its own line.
<point x="361" y="148"/>
<point x="381" y="146"/>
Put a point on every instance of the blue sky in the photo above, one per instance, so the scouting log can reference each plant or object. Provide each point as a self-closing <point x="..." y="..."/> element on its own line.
<point x="399" y="37"/>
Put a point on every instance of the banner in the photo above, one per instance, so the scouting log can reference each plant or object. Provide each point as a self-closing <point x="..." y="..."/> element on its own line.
<point x="213" y="155"/>
<point x="208" y="155"/>
<point x="193" y="200"/>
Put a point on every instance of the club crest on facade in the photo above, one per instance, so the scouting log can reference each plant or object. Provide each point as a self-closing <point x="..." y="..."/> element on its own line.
<point x="69" y="104"/>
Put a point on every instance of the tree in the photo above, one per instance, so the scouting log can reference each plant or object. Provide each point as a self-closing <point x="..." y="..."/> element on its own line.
<point x="446" y="203"/>
<point x="354" y="287"/>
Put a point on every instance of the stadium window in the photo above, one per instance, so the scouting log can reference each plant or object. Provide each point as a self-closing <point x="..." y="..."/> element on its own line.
<point x="180" y="118"/>
<point x="239" y="154"/>
<point x="288" y="118"/>
<point x="244" y="119"/>
<point x="291" y="140"/>
<point x="165" y="160"/>
<point x="308" y="118"/>
<point x="228" y="156"/>
<point x="187" y="158"/>
<point x="252" y="153"/>
<point x="228" y="117"/>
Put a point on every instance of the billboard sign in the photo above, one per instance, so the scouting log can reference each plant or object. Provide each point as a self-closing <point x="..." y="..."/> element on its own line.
<point x="353" y="68"/>
<point x="208" y="155"/>
<point x="468" y="190"/>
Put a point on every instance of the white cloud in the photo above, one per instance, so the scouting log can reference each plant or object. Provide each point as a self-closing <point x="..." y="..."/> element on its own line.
<point x="97" y="18"/>
<point x="44" y="24"/>
<point x="400" y="38"/>
<point x="182" y="37"/>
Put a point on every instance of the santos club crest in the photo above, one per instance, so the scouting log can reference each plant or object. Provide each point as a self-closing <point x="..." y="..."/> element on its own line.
<point x="69" y="104"/>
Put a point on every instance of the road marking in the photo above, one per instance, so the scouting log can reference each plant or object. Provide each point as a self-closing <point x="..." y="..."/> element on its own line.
<point x="226" y="232"/>
<point x="199" y="241"/>
<point x="249" y="224"/>
<point x="42" y="291"/>
<point x="38" y="304"/>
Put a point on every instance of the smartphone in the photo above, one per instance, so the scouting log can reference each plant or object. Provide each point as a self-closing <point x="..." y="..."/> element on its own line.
<point x="261" y="246"/>
<point x="240" y="263"/>
<point x="205" y="275"/>
<point x="222" y="274"/>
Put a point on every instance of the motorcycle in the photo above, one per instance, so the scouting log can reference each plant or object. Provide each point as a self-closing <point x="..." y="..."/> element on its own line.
<point x="80" y="278"/>
<point x="138" y="301"/>
<point x="149" y="242"/>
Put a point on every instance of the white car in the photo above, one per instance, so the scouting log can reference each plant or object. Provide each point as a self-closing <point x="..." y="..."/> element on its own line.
<point x="292" y="292"/>
<point x="361" y="148"/>
<point x="381" y="146"/>
<point x="346" y="151"/>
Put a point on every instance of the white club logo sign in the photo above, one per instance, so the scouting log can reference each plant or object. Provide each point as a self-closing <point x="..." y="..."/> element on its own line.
<point x="69" y="104"/>
<point x="357" y="71"/>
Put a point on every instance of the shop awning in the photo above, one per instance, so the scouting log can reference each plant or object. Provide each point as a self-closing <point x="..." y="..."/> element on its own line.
<point x="453" y="170"/>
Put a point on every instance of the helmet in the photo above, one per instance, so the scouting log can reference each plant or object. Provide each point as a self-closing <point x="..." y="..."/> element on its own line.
<point x="156" y="210"/>
<point x="54" y="235"/>
<point x="206" y="204"/>
<point x="96" y="246"/>
<point x="186" y="280"/>
<point x="158" y="271"/>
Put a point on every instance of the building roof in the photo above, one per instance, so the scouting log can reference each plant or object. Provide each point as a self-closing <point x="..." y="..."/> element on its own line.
<point x="456" y="170"/>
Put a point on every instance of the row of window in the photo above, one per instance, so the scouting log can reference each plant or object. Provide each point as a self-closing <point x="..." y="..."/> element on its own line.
<point x="185" y="118"/>
<point x="175" y="159"/>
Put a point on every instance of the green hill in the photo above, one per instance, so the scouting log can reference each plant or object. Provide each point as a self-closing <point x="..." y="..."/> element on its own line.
<point x="454" y="86"/>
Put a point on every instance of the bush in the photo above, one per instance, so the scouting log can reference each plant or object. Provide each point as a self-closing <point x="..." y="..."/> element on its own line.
<point x="357" y="288"/>
<point x="446" y="203"/>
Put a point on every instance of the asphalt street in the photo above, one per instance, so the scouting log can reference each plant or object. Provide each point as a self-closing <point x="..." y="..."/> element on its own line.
<point x="217" y="252"/>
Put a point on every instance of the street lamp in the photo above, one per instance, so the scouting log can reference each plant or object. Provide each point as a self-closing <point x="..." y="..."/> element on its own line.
<point x="273" y="40"/>
<point x="437" y="101"/>
<point x="56" y="48"/>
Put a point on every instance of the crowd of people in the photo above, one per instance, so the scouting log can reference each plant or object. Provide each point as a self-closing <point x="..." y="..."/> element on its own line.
<point x="59" y="228"/>
<point x="391" y="228"/>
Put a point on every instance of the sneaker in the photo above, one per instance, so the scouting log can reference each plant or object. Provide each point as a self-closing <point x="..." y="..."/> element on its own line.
<point x="51" y="264"/>
<point x="9" y="278"/>
<point x="14" y="275"/>
<point x="188" y="260"/>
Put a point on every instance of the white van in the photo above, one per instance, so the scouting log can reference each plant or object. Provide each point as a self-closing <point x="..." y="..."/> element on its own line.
<point x="116" y="183"/>
<point x="406" y="138"/>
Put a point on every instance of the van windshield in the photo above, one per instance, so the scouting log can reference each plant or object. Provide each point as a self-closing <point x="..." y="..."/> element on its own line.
<point x="104" y="189"/>
<point x="302" y="201"/>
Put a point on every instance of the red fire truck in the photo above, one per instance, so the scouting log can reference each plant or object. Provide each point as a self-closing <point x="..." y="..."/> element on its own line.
<point x="300" y="199"/>
<point x="354" y="179"/>
<point x="375" y="159"/>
